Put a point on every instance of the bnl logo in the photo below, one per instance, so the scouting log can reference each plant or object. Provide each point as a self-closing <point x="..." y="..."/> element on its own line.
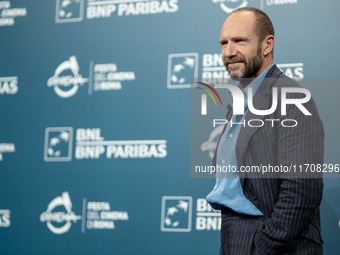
<point x="176" y="214"/>
<point x="58" y="144"/>
<point x="69" y="11"/>
<point x="181" y="69"/>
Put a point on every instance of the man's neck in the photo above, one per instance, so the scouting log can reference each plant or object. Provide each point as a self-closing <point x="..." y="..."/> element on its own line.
<point x="265" y="65"/>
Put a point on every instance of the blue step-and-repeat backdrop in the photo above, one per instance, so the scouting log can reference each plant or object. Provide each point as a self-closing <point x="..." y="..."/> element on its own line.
<point x="95" y="124"/>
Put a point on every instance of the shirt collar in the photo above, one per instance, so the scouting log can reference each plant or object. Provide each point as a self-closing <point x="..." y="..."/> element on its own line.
<point x="255" y="84"/>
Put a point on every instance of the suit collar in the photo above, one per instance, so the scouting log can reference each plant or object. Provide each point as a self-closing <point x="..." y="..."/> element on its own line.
<point x="261" y="101"/>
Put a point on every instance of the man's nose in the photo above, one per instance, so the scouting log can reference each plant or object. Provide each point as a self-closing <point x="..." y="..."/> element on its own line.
<point x="229" y="51"/>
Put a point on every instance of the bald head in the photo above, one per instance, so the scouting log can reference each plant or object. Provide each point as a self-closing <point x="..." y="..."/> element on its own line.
<point x="241" y="24"/>
<point x="263" y="24"/>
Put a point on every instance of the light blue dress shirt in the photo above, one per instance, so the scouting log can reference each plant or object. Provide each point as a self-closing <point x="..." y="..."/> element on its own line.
<point x="228" y="191"/>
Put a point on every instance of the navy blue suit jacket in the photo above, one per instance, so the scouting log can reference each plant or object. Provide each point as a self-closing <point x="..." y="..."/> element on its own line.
<point x="290" y="203"/>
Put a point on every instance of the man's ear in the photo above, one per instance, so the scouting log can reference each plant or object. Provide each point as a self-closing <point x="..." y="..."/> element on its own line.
<point x="268" y="45"/>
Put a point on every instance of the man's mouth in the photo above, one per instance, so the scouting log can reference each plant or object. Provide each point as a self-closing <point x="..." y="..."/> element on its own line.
<point x="236" y="62"/>
<point x="233" y="64"/>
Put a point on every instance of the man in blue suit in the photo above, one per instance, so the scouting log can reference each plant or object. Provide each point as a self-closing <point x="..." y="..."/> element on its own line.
<point x="277" y="213"/>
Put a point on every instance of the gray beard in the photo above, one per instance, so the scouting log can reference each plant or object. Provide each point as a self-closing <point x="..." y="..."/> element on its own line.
<point x="250" y="69"/>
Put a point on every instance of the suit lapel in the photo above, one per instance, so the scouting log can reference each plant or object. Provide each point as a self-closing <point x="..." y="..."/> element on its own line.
<point x="261" y="101"/>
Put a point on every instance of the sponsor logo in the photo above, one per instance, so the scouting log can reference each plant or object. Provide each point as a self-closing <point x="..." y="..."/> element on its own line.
<point x="66" y="80"/>
<point x="292" y="70"/>
<point x="100" y="216"/>
<point x="69" y="11"/>
<point x="230" y="5"/>
<point x="180" y="73"/>
<point x="206" y="217"/>
<point x="181" y="69"/>
<point x="6" y="148"/>
<point x="8" y="14"/>
<point x="107" y="77"/>
<point x="59" y="216"/>
<point x="58" y="144"/>
<point x="59" y="222"/>
<point x="5" y="218"/>
<point x="177" y="213"/>
<point x="104" y="9"/>
<point x="281" y="2"/>
<point x="213" y="68"/>
<point x="91" y="145"/>
<point x="211" y="143"/>
<point x="73" y="10"/>
<point x="68" y="84"/>
<point x="8" y="85"/>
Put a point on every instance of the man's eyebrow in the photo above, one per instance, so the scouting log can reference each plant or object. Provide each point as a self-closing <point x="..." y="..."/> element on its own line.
<point x="236" y="38"/>
<point x="239" y="38"/>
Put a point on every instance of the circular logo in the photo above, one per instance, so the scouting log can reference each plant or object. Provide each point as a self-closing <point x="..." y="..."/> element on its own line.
<point x="69" y="83"/>
<point x="62" y="218"/>
<point x="230" y="5"/>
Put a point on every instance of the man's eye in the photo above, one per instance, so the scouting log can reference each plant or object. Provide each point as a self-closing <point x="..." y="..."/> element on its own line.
<point x="224" y="44"/>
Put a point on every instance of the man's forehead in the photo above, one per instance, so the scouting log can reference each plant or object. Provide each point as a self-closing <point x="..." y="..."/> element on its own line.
<point x="239" y="22"/>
